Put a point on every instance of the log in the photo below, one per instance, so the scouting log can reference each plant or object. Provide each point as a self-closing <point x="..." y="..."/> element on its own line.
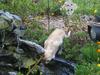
<point x="39" y="48"/>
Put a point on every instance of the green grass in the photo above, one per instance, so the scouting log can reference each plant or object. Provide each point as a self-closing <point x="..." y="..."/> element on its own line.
<point x="87" y="6"/>
<point x="26" y="7"/>
<point x="87" y="69"/>
<point x="89" y="53"/>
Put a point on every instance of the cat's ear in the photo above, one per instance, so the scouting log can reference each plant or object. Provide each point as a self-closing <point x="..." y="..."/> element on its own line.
<point x="68" y="34"/>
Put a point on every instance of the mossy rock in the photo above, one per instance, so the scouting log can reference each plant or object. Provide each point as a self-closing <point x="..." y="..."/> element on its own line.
<point x="3" y="24"/>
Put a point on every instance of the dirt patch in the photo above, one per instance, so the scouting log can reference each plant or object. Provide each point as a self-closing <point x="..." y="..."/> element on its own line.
<point x="75" y="25"/>
<point x="54" y="22"/>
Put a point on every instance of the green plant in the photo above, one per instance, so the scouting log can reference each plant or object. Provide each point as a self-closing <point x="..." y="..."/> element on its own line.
<point x="89" y="52"/>
<point x="36" y="33"/>
<point x="87" y="69"/>
<point x="19" y="73"/>
<point x="87" y="6"/>
<point x="73" y="45"/>
<point x="70" y="52"/>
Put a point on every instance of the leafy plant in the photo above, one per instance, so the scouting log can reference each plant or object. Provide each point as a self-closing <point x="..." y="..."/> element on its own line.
<point x="87" y="69"/>
<point x="89" y="52"/>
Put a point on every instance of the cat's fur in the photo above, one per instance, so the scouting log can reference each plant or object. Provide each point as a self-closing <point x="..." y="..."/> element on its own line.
<point x="53" y="42"/>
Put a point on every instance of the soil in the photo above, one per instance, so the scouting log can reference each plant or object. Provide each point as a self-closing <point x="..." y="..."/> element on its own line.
<point x="75" y="24"/>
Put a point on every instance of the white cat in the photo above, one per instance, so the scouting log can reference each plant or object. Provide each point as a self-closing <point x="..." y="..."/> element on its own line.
<point x="53" y="42"/>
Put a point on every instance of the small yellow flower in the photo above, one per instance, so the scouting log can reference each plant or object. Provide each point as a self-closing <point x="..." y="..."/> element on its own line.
<point x="95" y="11"/>
<point x="98" y="50"/>
<point x="98" y="43"/>
<point x="52" y="14"/>
<point x="60" y="1"/>
<point x="98" y="65"/>
<point x="38" y="17"/>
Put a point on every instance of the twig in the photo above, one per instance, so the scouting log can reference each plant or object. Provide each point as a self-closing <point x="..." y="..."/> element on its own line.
<point x="48" y="15"/>
<point x="35" y="65"/>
